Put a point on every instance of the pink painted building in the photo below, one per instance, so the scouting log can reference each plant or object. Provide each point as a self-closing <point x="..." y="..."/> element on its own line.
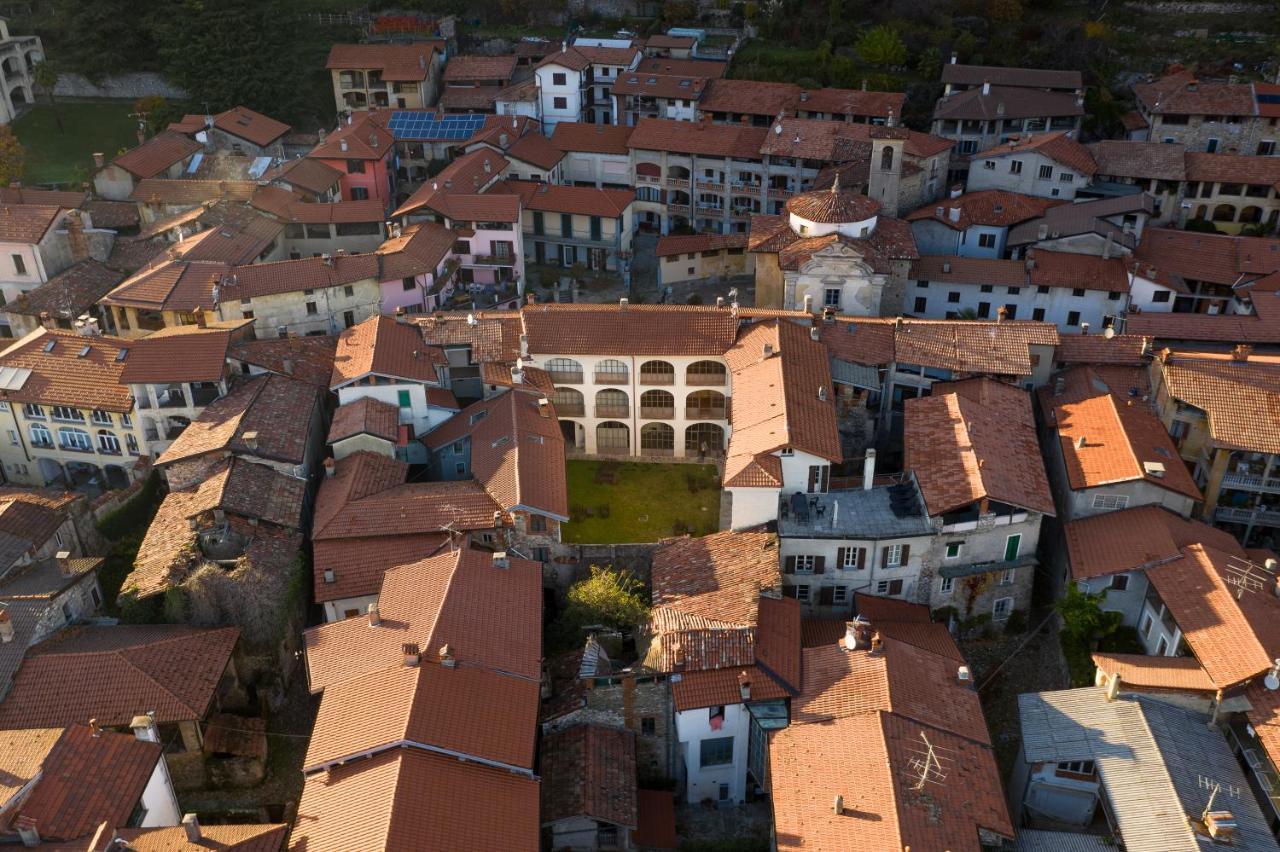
<point x="363" y="150"/>
<point x="418" y="268"/>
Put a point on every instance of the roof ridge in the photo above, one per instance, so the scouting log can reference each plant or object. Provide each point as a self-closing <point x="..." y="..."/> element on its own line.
<point x="124" y="659"/>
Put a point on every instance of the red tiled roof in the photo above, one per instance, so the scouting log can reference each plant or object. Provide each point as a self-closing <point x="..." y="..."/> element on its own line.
<point x="591" y="138"/>
<point x="174" y="285"/>
<point x="992" y="207"/>
<point x="1127" y="158"/>
<point x="537" y="150"/>
<point x="184" y="353"/>
<point x="589" y="771"/>
<point x="420" y="249"/>
<point x="890" y="241"/>
<point x="365" y="137"/>
<point x="1058" y="146"/>
<point x="245" y="837"/>
<point x="673" y="86"/>
<point x="383" y="346"/>
<point x="257" y="128"/>
<point x="831" y="206"/>
<point x="776" y="401"/>
<point x="340" y="212"/>
<point x="1233" y="168"/>
<point x="27" y="223"/>
<point x="1123" y="349"/>
<point x="465" y="177"/>
<point x="411" y="799"/>
<point x="1143" y="672"/>
<point x="291" y="276"/>
<point x="307" y="359"/>
<point x="87" y="779"/>
<point x="113" y="673"/>
<point x="396" y="62"/>
<point x="70" y="293"/>
<point x="1029" y="78"/>
<point x="477" y="67"/>
<point x="1182" y="94"/>
<point x="157" y="154"/>
<point x="678" y="244"/>
<point x="1216" y="258"/>
<point x="1137" y="539"/>
<point x="703" y="138"/>
<point x="60" y="375"/>
<point x="365" y="416"/>
<point x="717" y="687"/>
<point x="159" y="191"/>
<point x="752" y="97"/>
<point x="1005" y="102"/>
<point x="598" y="329"/>
<point x="1240" y="399"/>
<point x="517" y="451"/>
<point x="656" y="814"/>
<point x="358" y="564"/>
<point x="972" y="440"/>
<point x="580" y="200"/>
<point x="308" y="174"/>
<point x="997" y="348"/>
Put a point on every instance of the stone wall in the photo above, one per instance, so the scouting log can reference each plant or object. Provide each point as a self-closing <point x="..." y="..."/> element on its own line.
<point x="632" y="703"/>
<point x="122" y="86"/>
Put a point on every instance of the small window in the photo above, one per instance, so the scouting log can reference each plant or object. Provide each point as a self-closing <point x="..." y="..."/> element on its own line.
<point x="1002" y="609"/>
<point x="953" y="298"/>
<point x="889" y="587"/>
<point x="312" y="310"/>
<point x="840" y="595"/>
<point x="1007" y="576"/>
<point x="989" y="165"/>
<point x="1162" y="646"/>
<point x="19" y="265"/>
<point x="460" y="469"/>
<point x="985" y="288"/>
<point x="1046" y="172"/>
<point x="1037" y="314"/>
<point x="348" y="291"/>
<point x="359" y="193"/>
<point x="1120" y="582"/>
<point x="893" y="556"/>
<point x="648" y="726"/>
<point x="986" y="241"/>
<point x="921" y="304"/>
<point x="1073" y="318"/>
<point x="802" y="593"/>
<point x="1110" y="501"/>
<point x="954" y="548"/>
<point x="1078" y="292"/>
<point x="355" y="167"/>
<point x="1160" y="296"/>
<point x="537" y="524"/>
<point x="947" y="586"/>
<point x="1147" y="622"/>
<point x="402" y="397"/>
<point x="1015" y="167"/>
<point x="560" y="103"/>
<point x="1066" y="177"/>
<point x="559" y="79"/>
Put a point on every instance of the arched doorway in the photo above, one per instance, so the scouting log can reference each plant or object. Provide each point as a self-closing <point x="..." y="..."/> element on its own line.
<point x="613" y="438"/>
<point x="703" y="438"/>
<point x="51" y="472"/>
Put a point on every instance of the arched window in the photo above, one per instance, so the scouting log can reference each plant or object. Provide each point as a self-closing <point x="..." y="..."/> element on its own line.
<point x="705" y="373"/>
<point x="704" y="437"/>
<point x="74" y="439"/>
<point x="565" y="371"/>
<point x="108" y="443"/>
<point x="41" y="436"/>
<point x="657" y="439"/>
<point x="612" y="403"/>
<point x="613" y="438"/>
<point x="132" y="444"/>
<point x="657" y="373"/>
<point x="568" y="402"/>
<point x="657" y="405"/>
<point x="705" y="405"/>
<point x="886" y="158"/>
<point x="1224" y="213"/>
<point x="611" y="371"/>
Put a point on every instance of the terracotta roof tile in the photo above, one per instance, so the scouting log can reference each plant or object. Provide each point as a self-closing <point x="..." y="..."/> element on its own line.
<point x="992" y="207"/>
<point x="117" y="215"/>
<point x="358" y="564"/>
<point x="753" y="97"/>
<point x="22" y="754"/>
<point x="1006" y="102"/>
<point x="1124" y="158"/>
<point x="517" y="451"/>
<point x="891" y="240"/>
<point x="253" y="126"/>
<point x="383" y="346"/>
<point x="184" y="353"/>
<point x="711" y="140"/>
<point x="87" y="779"/>
<point x="170" y="286"/>
<point x="537" y="150"/>
<point x="1078" y="271"/>
<point x="997" y="348"/>
<point x="365" y="416"/>
<point x="27" y="223"/>
<point x="51" y="197"/>
<point x="1264" y="715"/>
<point x="275" y="407"/>
<point x="1241" y="399"/>
<point x="340" y="212"/>
<point x="190" y="192"/>
<point x="157" y="154"/>
<point x="365" y="137"/>
<point x="858" y="342"/>
<point x="586" y="329"/>
<point x="291" y="276"/>
<point x="973" y="440"/>
<point x="477" y="67"/>
<point x="307" y="174"/>
<point x="677" y="244"/>
<point x="590" y="771"/>
<point x="1136" y="539"/>
<point x="1204" y="606"/>
<point x="414" y="800"/>
<point x="1027" y="78"/>
<point x="586" y="138"/>
<point x="1182" y="94"/>
<point x="70" y="293"/>
<point x="1143" y="672"/>
<point x="1233" y="168"/>
<point x="580" y="200"/>
<point x="465" y="177"/>
<point x="307" y="359"/>
<point x="832" y="206"/>
<point x="1125" y="349"/>
<point x="397" y="62"/>
<point x="492" y="335"/>
<point x="1216" y="258"/>
<point x="420" y="249"/>
<point x="60" y="375"/>
<point x="112" y="673"/>
<point x="248" y="837"/>
<point x="1104" y="440"/>
<point x="1058" y="146"/>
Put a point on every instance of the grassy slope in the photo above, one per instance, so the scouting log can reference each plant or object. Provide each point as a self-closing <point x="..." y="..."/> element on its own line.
<point x="67" y="156"/>
<point x="644" y="504"/>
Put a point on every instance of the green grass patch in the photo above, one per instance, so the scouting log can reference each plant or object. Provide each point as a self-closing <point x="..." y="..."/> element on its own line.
<point x="619" y="502"/>
<point x="66" y="156"/>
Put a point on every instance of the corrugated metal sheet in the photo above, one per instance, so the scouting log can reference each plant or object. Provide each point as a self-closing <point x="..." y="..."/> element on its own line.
<point x="1152" y="758"/>
<point x="1030" y="840"/>
<point x="858" y="375"/>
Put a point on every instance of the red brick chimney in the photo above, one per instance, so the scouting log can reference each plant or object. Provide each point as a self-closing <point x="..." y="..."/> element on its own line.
<point x="77" y="242"/>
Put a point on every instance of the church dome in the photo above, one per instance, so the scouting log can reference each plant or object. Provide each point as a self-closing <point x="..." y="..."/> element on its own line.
<point x="832" y="206"/>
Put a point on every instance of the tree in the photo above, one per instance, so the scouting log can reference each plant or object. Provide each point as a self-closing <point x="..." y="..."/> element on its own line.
<point x="1083" y="621"/>
<point x="881" y="46"/>
<point x="613" y="600"/>
<point x="45" y="75"/>
<point x="13" y="157"/>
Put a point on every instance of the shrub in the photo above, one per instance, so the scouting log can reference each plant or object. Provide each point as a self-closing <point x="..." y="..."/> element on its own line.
<point x="135" y="513"/>
<point x="608" y="598"/>
<point x="695" y="299"/>
<point x="1017" y="622"/>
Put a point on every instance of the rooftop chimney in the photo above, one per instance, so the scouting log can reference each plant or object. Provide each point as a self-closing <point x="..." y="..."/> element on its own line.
<point x="446" y="657"/>
<point x="250" y="440"/>
<point x="954" y="214"/>
<point x="329" y="467"/>
<point x="946" y="266"/>
<point x="25" y="825"/>
<point x="412" y="655"/>
<point x="1221" y="825"/>
<point x="202" y="319"/>
<point x="524" y="346"/>
<point x="144" y="727"/>
<point x="822" y="393"/>
<point x="957" y="190"/>
<point x="94" y="728"/>
<point x="63" y="558"/>
<point x="877" y="643"/>
<point x="544" y="407"/>
<point x="813" y="332"/>
<point x="986" y="87"/>
<point x="1001" y="312"/>
<point x="964" y="676"/>
<point x="77" y="242"/>
<point x="342" y="144"/>
<point x="838" y="805"/>
<point x="1241" y="352"/>
<point x="954" y="57"/>
<point x="6" y="626"/>
<point x="808" y="303"/>
<point x="375" y="618"/>
<point x="191" y="825"/>
<point x="1113" y="687"/>
<point x="1080" y="442"/>
<point x="744" y="685"/>
<point x="1042" y="232"/>
<point x="99" y="160"/>
<point x="1084" y="328"/>
<point x="329" y="575"/>
<point x="500" y="559"/>
<point x="517" y="375"/>
<point x="767" y="350"/>
<point x="869" y="470"/>
<point x="623" y="302"/>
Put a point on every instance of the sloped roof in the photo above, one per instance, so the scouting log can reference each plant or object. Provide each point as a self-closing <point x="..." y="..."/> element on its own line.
<point x="466" y="175"/>
<point x="307" y="359"/>
<point x="995" y="208"/>
<point x="1006" y="102"/>
<point x="1029" y="78"/>
<point x="27" y="223"/>
<point x="577" y="136"/>
<point x="171" y="285"/>
<point x="366" y="416"/>
<point x="70" y="293"/>
<point x="253" y="126"/>
<point x="1058" y="146"/>
<point x="61" y="375"/>
<point x="1241" y="399"/>
<point x="420" y="249"/>
<point x="292" y="276"/>
<point x="113" y="673"/>
<point x="517" y="451"/>
<point x="589" y="771"/>
<point x="384" y="346"/>
<point x="975" y="439"/>
<point x="243" y="837"/>
<point x="358" y="564"/>
<point x="364" y="137"/>
<point x="309" y="174"/>
<point x="1181" y="93"/>
<point x="276" y="407"/>
<point x="1127" y="158"/>
<point x="596" y="329"/>
<point x="703" y="138"/>
<point x="479" y="67"/>
<point x="397" y="62"/>
<point x="580" y="200"/>
<point x="157" y="154"/>
<point x="1137" y="539"/>
<point x="1144" y="672"/>
<point x="183" y="353"/>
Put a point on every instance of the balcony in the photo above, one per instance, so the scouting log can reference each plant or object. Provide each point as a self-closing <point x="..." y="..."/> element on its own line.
<point x="201" y="396"/>
<point x="72" y="448"/>
<point x="779" y="192"/>
<point x="613" y="412"/>
<point x="678" y="183"/>
<point x="714" y="186"/>
<point x="655" y="412"/>
<point x="676" y="207"/>
<point x="566" y="409"/>
<point x="612" y="378"/>
<point x="706" y="380"/>
<point x="1257" y="517"/>
<point x="1246" y="482"/>
<point x="657" y="378"/>
<point x="704" y="413"/>
<point x="649" y="179"/>
<point x="565" y="377"/>
<point x="42" y="445"/>
<point x="494" y="259"/>
<point x="172" y="398"/>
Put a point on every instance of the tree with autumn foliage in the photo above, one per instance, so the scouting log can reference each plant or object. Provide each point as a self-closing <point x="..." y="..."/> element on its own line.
<point x="13" y="157"/>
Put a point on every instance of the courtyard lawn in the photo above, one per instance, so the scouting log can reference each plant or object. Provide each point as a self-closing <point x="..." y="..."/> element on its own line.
<point x="67" y="157"/>
<point x="619" y="502"/>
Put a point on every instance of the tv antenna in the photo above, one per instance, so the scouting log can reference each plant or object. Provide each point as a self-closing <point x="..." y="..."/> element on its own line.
<point x="1246" y="577"/>
<point x="451" y="532"/>
<point x="926" y="765"/>
<point x="1214" y="787"/>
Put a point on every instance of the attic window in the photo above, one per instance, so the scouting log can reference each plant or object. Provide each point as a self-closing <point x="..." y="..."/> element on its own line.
<point x="505" y="439"/>
<point x="84" y="350"/>
<point x="684" y="84"/>
<point x="121" y="355"/>
<point x="634" y="80"/>
<point x="478" y="416"/>
<point x="48" y="347"/>
<point x="537" y="439"/>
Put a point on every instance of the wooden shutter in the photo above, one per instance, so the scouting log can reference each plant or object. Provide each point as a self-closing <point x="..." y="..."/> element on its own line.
<point x="826" y="595"/>
<point x="813" y="477"/>
<point x="862" y="558"/>
<point x="884" y="557"/>
<point x="788" y="591"/>
<point x="906" y="554"/>
<point x="825" y="474"/>
<point x="895" y="587"/>
<point x="819" y="564"/>
<point x="841" y="553"/>
<point x="789" y="565"/>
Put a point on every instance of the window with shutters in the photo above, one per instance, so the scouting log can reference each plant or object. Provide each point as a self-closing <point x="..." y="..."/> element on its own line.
<point x="840" y="594"/>
<point x="893" y="556"/>
<point x="802" y="594"/>
<point x="1012" y="545"/>
<point x="818" y="478"/>
<point x="889" y="587"/>
<point x="805" y="564"/>
<point x="852" y="558"/>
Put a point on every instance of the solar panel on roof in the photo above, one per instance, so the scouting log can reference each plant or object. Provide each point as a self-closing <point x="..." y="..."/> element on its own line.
<point x="427" y="125"/>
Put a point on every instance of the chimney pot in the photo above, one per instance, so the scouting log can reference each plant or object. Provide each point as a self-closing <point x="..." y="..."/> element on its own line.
<point x="412" y="654"/>
<point x="6" y="626"/>
<point x="330" y="466"/>
<point x="446" y="657"/>
<point x="838" y="805"/>
<point x="744" y="685"/>
<point x="375" y="618"/>
<point x="25" y="825"/>
<point x="808" y="303"/>
<point x="144" y="727"/>
<point x="250" y="440"/>
<point x="191" y="825"/>
<point x="768" y="350"/>
<point x="1241" y="352"/>
<point x="623" y="302"/>
<point x="500" y="559"/>
<point x="63" y="558"/>
<point x="1084" y="328"/>
<point x="813" y="332"/>
<point x="964" y="676"/>
<point x="1113" y="687"/>
<point x="986" y="87"/>
<point x="869" y="470"/>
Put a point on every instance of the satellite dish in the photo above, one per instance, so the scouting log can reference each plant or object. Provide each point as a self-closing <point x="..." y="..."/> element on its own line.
<point x="1109" y="333"/>
<point x="1271" y="681"/>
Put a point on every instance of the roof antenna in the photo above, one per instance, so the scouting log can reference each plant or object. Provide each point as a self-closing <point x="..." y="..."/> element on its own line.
<point x="835" y="185"/>
<point x="926" y="766"/>
<point x="1243" y="578"/>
